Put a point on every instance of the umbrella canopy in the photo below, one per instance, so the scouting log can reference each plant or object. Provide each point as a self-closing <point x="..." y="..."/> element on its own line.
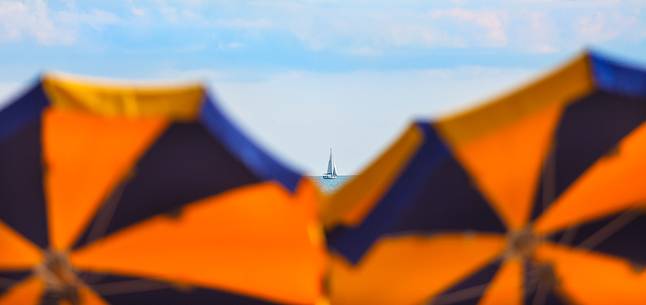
<point x="115" y="194"/>
<point x="536" y="197"/>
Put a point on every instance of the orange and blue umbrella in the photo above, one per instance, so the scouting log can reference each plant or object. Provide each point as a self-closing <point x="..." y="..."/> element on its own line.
<point x="535" y="197"/>
<point x="123" y="194"/>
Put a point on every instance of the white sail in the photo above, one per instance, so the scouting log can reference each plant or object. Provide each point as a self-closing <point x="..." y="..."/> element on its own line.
<point x="331" y="168"/>
<point x="330" y="164"/>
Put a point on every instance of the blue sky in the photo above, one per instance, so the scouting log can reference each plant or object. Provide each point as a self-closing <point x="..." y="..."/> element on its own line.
<point x="304" y="75"/>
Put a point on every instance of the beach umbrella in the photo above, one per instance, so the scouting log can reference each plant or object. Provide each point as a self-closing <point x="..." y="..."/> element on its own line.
<point x="536" y="197"/>
<point x="123" y="194"/>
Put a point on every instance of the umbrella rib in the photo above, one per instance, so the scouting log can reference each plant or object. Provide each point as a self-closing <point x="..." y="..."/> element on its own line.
<point x="611" y="228"/>
<point x="132" y="286"/>
<point x="533" y="283"/>
<point x="460" y="295"/>
<point x="6" y="282"/>
<point x="104" y="218"/>
<point x="470" y="293"/>
<point x="549" y="191"/>
<point x="568" y="236"/>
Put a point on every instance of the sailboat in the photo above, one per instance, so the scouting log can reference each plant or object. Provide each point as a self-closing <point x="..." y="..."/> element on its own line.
<point x="331" y="168"/>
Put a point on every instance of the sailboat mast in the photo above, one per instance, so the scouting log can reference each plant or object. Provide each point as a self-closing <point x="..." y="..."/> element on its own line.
<point x="333" y="172"/>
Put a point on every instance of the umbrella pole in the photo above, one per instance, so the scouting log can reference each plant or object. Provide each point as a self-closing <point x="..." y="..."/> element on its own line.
<point x="543" y="281"/>
<point x="61" y="282"/>
<point x="609" y="229"/>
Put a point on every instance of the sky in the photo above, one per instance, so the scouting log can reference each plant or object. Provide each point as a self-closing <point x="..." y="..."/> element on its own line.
<point x="302" y="76"/>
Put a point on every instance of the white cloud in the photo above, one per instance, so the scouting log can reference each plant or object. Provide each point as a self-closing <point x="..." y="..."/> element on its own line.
<point x="135" y="9"/>
<point x="535" y="26"/>
<point x="179" y="13"/>
<point x="537" y="34"/>
<point x="359" y="28"/>
<point x="364" y="51"/>
<point x="244" y="24"/>
<point x="33" y="19"/>
<point x="230" y="45"/>
<point x="96" y="19"/>
<point x="19" y="19"/>
<point x="400" y="28"/>
<point x="603" y="26"/>
<point x="491" y="21"/>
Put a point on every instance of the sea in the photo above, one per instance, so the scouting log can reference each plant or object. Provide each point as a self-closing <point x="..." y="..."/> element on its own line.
<point x="329" y="185"/>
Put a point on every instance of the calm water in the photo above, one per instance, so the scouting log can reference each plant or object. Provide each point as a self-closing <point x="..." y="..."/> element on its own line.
<point x="329" y="185"/>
